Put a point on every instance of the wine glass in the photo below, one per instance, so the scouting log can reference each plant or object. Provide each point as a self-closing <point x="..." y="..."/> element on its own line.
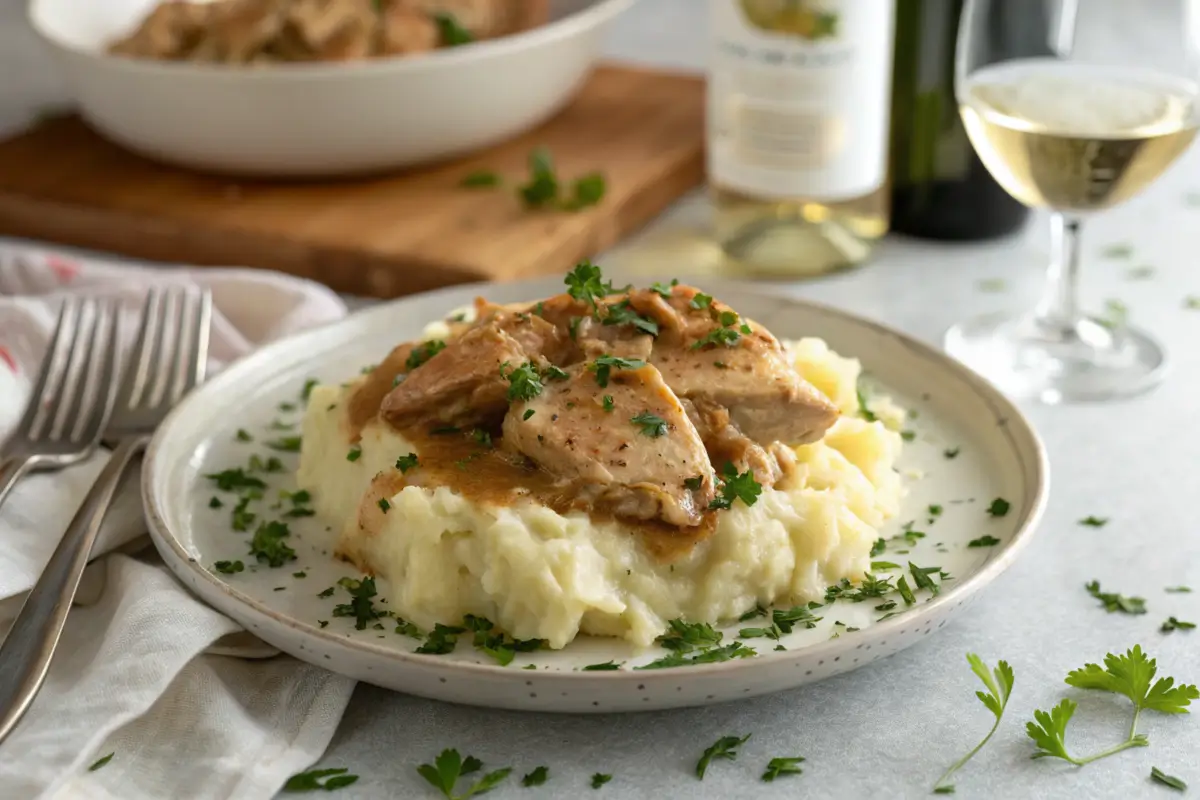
<point x="1071" y="123"/>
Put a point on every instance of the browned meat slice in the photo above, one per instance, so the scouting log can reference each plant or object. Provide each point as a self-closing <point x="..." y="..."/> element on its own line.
<point x="487" y="19"/>
<point x="238" y="30"/>
<point x="628" y="446"/>
<point x="170" y="31"/>
<point x="463" y="383"/>
<point x="406" y="30"/>
<point x="706" y="352"/>
<point x="727" y="445"/>
<point x="334" y="30"/>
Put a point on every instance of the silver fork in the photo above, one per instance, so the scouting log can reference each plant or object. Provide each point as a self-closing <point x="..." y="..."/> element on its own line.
<point x="71" y="401"/>
<point x="168" y="360"/>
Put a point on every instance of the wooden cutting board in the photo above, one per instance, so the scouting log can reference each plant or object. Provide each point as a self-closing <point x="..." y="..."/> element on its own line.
<point x="383" y="236"/>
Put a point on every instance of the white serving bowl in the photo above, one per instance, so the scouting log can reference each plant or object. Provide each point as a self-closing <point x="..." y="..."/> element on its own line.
<point x="314" y="120"/>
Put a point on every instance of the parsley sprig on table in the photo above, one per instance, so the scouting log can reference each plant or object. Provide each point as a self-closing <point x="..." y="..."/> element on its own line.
<point x="446" y="770"/>
<point x="725" y="747"/>
<point x="781" y="766"/>
<point x="320" y="780"/>
<point x="999" y="684"/>
<point x="1130" y="675"/>
<point x="1116" y="602"/>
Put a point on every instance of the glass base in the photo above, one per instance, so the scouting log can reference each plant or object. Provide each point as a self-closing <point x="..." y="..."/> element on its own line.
<point x="1087" y="361"/>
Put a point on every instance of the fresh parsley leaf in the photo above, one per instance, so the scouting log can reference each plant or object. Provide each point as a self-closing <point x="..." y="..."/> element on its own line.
<point x="623" y="314"/>
<point x="725" y="335"/>
<point x="361" y="607"/>
<point x="999" y="684"/>
<point x="906" y="593"/>
<point x="735" y="486"/>
<point x="451" y="32"/>
<point x="326" y="592"/>
<point x="725" y="747"/>
<point x="480" y="179"/>
<point x="384" y="505"/>
<point x="586" y="190"/>
<point x="524" y="382"/>
<point x="542" y="188"/>
<point x="663" y="289"/>
<point x="423" y="352"/>
<point x="1158" y="776"/>
<point x="879" y="547"/>
<point x="1094" y="522"/>
<point x="287" y="444"/>
<point x="1116" y="602"/>
<point x="320" y="779"/>
<point x="229" y="567"/>
<point x="1119" y="250"/>
<point x="651" y="425"/>
<point x="406" y="628"/>
<point x="449" y="767"/>
<point x="951" y="452"/>
<point x="1178" y="590"/>
<point x="864" y="410"/>
<point x="1176" y="624"/>
<point x="604" y="365"/>
<point x="999" y="507"/>
<point x="586" y="283"/>
<point x="354" y="453"/>
<point x="707" y="655"/>
<point x="607" y="403"/>
<point x="244" y="436"/>
<point x="921" y="577"/>
<point x="268" y="545"/>
<point x="607" y="666"/>
<point x="1049" y="729"/>
<point x="100" y="762"/>
<point x="405" y="463"/>
<point x="441" y="640"/>
<point x="984" y="541"/>
<point x="686" y="636"/>
<point x="599" y="779"/>
<point x="235" y="480"/>
<point x="537" y="777"/>
<point x="215" y="502"/>
<point x="757" y="611"/>
<point x="701" y="301"/>
<point x="781" y="766"/>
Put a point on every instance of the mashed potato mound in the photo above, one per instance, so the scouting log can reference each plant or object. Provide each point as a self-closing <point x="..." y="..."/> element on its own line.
<point x="542" y="575"/>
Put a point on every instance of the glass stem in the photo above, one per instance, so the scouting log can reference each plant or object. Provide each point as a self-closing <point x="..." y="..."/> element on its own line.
<point x="1059" y="307"/>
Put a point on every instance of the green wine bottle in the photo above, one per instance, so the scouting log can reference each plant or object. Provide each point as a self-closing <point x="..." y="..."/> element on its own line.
<point x="939" y="187"/>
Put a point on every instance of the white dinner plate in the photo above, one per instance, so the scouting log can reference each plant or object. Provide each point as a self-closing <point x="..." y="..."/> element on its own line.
<point x="995" y="454"/>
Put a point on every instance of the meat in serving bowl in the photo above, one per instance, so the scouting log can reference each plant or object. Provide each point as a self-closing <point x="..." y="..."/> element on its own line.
<point x="314" y="118"/>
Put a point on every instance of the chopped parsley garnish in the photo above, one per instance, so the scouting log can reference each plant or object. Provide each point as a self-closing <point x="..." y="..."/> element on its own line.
<point x="707" y="655"/>
<point x="781" y="766"/>
<point x="935" y="510"/>
<point x="864" y="410"/>
<point x="449" y="767"/>
<point x="405" y="463"/>
<point x="1094" y="522"/>
<point x="524" y="382"/>
<point x="879" y="547"/>
<point x="479" y="179"/>
<point x="1176" y="624"/>
<point x="782" y="622"/>
<point x="623" y="314"/>
<point x="664" y="290"/>
<point x="694" y="483"/>
<point x="651" y="425"/>
<point x="906" y="593"/>
<point x="361" y="607"/>
<point x="481" y="437"/>
<point x="542" y="188"/>
<point x="735" y="486"/>
<point x="1116" y="602"/>
<point x="1158" y="776"/>
<point x="326" y="592"/>
<point x="406" y="628"/>
<point x="529" y="412"/>
<point x="604" y="365"/>
<point x="984" y="541"/>
<point x="423" y="352"/>
<point x="999" y="507"/>
<point x="286" y="406"/>
<point x="725" y="747"/>
<point x="320" y="779"/>
<point x="354" y="453"/>
<point x="268" y="545"/>
<point x="229" y="567"/>
<point x="287" y="444"/>
<point x="215" y="502"/>
<point x="908" y="436"/>
<point x="441" y="640"/>
<point x="235" y="480"/>
<point x="244" y="435"/>
<point x="451" y="32"/>
<point x="536" y="778"/>
<point x="605" y="667"/>
<point x="951" y="452"/>
<point x="686" y="636"/>
<point x="921" y="577"/>
<point x="607" y="403"/>
<point x="309" y="385"/>
<point x="726" y="334"/>
<point x="701" y="301"/>
<point x="599" y="779"/>
<point x="384" y="505"/>
<point x="100" y="762"/>
<point x="1178" y="590"/>
<point x="586" y="190"/>
<point x="999" y="684"/>
<point x="492" y="641"/>
<point x="1131" y="675"/>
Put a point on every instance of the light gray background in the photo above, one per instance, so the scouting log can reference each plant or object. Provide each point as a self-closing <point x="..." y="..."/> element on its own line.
<point x="890" y="729"/>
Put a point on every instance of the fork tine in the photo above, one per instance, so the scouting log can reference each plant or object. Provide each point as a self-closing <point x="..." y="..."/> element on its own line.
<point x="69" y="401"/>
<point x="53" y="365"/>
<point x="165" y="334"/>
<point x="134" y="384"/>
<point x="193" y="344"/>
<point x="101" y="385"/>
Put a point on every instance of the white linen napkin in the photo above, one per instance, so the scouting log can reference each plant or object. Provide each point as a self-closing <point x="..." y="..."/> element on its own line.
<point x="136" y="674"/>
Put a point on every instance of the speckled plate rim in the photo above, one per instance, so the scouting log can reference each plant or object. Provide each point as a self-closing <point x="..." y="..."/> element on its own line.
<point x="1017" y="432"/>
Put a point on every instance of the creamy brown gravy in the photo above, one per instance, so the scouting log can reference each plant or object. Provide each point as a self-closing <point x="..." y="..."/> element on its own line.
<point x="494" y="476"/>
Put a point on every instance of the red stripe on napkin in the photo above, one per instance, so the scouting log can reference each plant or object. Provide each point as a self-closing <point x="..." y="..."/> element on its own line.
<point x="64" y="269"/>
<point x="7" y="357"/>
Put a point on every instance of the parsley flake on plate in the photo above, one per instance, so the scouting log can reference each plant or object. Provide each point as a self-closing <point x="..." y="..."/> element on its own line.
<point x="984" y="541"/>
<point x="951" y="452"/>
<point x="1158" y="776"/>
<point x="1176" y="624"/>
<point x="229" y="567"/>
<point x="361" y="606"/>
<point x="607" y="666"/>
<point x="780" y="766"/>
<point x="537" y="777"/>
<point x="999" y="684"/>
<point x="1094" y="522"/>
<point x="450" y="31"/>
<point x="243" y="435"/>
<point x="1130" y="675"/>
<point x="320" y="779"/>
<point x="100" y="762"/>
<point x="268" y="545"/>
<point x="725" y="747"/>
<point x="999" y="507"/>
<point x="599" y="779"/>
<point x="286" y="444"/>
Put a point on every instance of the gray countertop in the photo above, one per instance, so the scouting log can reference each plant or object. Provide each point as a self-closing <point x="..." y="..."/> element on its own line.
<point x="890" y="729"/>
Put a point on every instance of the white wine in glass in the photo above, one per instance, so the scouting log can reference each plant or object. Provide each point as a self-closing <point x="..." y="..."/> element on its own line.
<point x="1074" y="135"/>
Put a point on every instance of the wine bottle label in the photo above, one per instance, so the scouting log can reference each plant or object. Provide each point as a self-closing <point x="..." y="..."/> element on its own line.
<point x="798" y="96"/>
